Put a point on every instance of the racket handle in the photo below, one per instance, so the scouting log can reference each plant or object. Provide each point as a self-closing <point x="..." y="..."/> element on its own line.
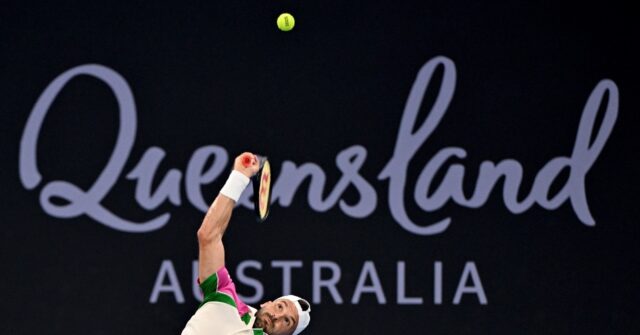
<point x="246" y="160"/>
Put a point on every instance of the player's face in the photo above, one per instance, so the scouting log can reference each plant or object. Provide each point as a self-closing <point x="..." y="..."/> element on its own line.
<point x="278" y="317"/>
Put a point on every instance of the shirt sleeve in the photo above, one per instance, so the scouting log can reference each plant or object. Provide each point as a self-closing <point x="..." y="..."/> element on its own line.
<point x="216" y="288"/>
<point x="219" y="287"/>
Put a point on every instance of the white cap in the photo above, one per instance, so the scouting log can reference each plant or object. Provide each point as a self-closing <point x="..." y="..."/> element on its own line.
<point x="304" y="316"/>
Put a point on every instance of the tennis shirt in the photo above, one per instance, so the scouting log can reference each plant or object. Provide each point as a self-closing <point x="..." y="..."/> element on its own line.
<point x="221" y="311"/>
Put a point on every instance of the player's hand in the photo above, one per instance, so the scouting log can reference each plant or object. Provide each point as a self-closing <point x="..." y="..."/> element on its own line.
<point x="247" y="164"/>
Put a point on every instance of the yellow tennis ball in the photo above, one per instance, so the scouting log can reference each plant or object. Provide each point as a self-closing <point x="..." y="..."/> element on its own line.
<point x="286" y="22"/>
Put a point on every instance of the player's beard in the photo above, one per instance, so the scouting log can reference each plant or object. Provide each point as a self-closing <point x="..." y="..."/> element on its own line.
<point x="259" y="322"/>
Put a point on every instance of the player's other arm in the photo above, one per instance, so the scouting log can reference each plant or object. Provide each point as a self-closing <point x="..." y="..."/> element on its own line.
<point x="215" y="222"/>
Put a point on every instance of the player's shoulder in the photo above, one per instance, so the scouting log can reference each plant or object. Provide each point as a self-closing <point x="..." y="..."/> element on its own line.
<point x="219" y="310"/>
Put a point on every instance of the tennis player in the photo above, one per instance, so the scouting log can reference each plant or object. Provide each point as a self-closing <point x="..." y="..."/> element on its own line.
<point x="222" y="312"/>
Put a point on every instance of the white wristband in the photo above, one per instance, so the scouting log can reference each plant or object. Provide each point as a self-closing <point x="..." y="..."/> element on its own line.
<point x="235" y="185"/>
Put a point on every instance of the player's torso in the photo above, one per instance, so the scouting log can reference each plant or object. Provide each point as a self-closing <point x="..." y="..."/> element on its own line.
<point x="216" y="318"/>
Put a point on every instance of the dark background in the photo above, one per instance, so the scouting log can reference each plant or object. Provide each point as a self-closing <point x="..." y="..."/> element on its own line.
<point x="221" y="73"/>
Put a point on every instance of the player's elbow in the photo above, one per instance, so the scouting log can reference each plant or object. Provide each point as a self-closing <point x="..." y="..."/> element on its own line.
<point x="207" y="236"/>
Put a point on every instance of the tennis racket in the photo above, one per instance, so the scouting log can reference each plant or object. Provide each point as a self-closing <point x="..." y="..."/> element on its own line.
<point x="261" y="187"/>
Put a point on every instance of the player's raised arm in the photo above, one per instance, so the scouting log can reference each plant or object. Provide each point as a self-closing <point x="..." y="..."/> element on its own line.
<point x="215" y="222"/>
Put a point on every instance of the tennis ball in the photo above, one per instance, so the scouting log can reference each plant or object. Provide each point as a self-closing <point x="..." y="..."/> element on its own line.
<point x="286" y="22"/>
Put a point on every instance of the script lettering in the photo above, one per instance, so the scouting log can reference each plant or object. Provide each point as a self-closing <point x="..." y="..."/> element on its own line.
<point x="428" y="195"/>
<point x="80" y="201"/>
